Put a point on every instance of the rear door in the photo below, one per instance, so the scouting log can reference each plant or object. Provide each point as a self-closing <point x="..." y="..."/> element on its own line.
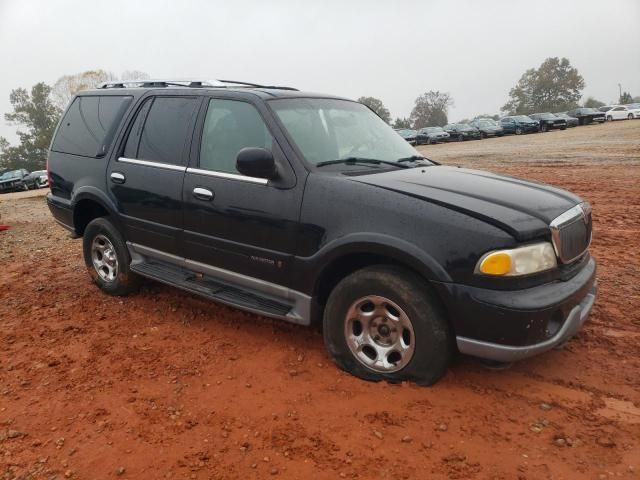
<point x="146" y="177"/>
<point x="233" y="223"/>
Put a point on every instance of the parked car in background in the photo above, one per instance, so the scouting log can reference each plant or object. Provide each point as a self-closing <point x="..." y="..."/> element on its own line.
<point x="549" y="121"/>
<point x="409" y="135"/>
<point x="587" y="115"/>
<point x="571" y="121"/>
<point x="431" y="135"/>
<point x="519" y="124"/>
<point x="13" y="180"/>
<point x="488" y="127"/>
<point x="634" y="109"/>
<point x="37" y="179"/>
<point x="618" y="112"/>
<point x="462" y="131"/>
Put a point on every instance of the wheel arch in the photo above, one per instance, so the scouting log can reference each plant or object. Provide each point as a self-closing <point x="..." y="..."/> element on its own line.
<point x="352" y="256"/>
<point x="90" y="203"/>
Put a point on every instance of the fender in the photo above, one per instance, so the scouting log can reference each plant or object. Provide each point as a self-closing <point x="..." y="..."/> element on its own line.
<point x="312" y="268"/>
<point x="88" y="192"/>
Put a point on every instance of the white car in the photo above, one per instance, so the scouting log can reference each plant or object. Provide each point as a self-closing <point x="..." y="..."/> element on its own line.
<point x="618" y="112"/>
<point x="634" y="108"/>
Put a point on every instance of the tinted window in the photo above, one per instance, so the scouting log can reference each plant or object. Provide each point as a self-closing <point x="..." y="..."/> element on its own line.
<point x="88" y="126"/>
<point x="131" y="148"/>
<point x="229" y="127"/>
<point x="166" y="129"/>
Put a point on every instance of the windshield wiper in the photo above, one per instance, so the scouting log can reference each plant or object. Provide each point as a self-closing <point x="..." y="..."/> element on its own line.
<point x="354" y="160"/>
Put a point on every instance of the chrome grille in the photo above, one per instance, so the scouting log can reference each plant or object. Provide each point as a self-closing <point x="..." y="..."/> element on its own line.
<point x="571" y="232"/>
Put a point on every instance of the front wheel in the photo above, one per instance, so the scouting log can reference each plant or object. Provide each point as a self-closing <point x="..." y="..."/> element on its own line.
<point x="460" y="138"/>
<point x="107" y="258"/>
<point x="609" y="118"/>
<point x="518" y="131"/>
<point x="630" y="116"/>
<point x="384" y="323"/>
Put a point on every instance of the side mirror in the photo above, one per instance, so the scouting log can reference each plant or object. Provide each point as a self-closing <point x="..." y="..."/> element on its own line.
<point x="256" y="162"/>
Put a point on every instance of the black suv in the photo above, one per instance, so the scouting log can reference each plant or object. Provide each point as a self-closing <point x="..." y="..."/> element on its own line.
<point x="311" y="209"/>
<point x="549" y="121"/>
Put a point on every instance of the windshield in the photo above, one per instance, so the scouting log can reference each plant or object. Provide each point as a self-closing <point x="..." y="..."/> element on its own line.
<point x="407" y="133"/>
<point x="11" y="174"/>
<point x="328" y="129"/>
<point x="522" y="118"/>
<point x="486" y="123"/>
<point x="464" y="126"/>
<point x="434" y="129"/>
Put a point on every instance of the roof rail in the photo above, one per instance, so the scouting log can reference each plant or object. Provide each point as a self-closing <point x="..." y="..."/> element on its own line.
<point x="160" y="83"/>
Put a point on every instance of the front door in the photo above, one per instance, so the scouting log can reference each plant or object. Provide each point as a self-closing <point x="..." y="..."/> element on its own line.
<point x="146" y="177"/>
<point x="233" y="223"/>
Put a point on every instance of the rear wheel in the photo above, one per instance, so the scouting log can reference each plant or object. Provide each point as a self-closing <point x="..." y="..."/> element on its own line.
<point x="107" y="258"/>
<point x="383" y="323"/>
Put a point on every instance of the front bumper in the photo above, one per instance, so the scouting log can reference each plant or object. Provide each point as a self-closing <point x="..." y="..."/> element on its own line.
<point x="508" y="353"/>
<point x="506" y="325"/>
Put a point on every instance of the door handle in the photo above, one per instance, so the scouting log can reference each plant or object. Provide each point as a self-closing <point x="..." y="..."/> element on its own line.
<point x="202" y="194"/>
<point x="117" y="177"/>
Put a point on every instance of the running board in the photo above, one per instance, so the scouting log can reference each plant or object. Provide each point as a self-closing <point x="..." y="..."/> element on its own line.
<point x="214" y="289"/>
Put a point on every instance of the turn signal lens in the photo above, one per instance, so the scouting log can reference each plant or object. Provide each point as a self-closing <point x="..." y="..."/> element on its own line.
<point x="497" y="263"/>
<point x="518" y="261"/>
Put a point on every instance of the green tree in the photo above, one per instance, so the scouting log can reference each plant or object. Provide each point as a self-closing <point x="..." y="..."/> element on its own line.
<point x="377" y="106"/>
<point x="593" y="103"/>
<point x="431" y="109"/>
<point x="402" y="123"/>
<point x="625" y="98"/>
<point x="38" y="115"/>
<point x="554" y="86"/>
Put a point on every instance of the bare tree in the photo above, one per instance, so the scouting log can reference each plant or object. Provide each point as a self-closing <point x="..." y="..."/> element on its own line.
<point x="134" y="75"/>
<point x="68" y="85"/>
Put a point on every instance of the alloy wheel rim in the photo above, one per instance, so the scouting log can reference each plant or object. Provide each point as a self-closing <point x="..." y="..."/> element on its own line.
<point x="104" y="258"/>
<point x="379" y="334"/>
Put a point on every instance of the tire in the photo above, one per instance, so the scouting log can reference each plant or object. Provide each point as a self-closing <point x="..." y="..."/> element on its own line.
<point x="609" y="118"/>
<point x="428" y="141"/>
<point x="518" y="131"/>
<point x="424" y="346"/>
<point x="483" y="135"/>
<point x="460" y="138"/>
<point x="630" y="116"/>
<point x="103" y="245"/>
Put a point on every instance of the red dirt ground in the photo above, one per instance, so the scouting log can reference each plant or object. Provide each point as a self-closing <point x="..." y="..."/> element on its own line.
<point x="164" y="384"/>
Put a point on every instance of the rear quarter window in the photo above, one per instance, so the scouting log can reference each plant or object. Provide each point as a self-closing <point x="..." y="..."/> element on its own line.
<point x="89" y="124"/>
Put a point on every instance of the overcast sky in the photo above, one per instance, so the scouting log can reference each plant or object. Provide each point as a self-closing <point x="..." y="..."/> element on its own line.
<point x="475" y="50"/>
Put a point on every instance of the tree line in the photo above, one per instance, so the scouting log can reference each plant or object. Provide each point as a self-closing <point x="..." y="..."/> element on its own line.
<point x="36" y="113"/>
<point x="552" y="87"/>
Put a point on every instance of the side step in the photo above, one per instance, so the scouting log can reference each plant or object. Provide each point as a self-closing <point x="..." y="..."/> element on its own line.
<point x="211" y="288"/>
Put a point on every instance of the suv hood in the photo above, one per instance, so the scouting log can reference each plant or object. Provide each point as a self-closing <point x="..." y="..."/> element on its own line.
<point x="522" y="208"/>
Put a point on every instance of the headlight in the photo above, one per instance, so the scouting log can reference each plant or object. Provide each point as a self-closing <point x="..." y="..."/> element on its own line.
<point x="518" y="261"/>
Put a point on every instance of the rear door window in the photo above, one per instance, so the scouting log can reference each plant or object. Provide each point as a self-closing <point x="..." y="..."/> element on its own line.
<point x="89" y="124"/>
<point x="167" y="130"/>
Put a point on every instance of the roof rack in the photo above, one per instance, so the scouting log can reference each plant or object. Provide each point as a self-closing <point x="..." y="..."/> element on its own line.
<point x="187" y="84"/>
